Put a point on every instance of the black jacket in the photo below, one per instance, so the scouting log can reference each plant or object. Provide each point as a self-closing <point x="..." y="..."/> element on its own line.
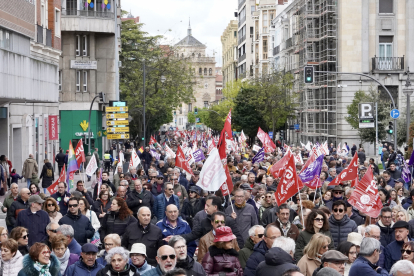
<point x="14" y="209"/>
<point x="134" y="198"/>
<point x="46" y="180"/>
<point x="87" y="195"/>
<point x="191" y="267"/>
<point x="127" y="272"/>
<point x="151" y="237"/>
<point x="188" y="211"/>
<point x="200" y="230"/>
<point x="270" y="215"/>
<point x="60" y="159"/>
<point x="81" y="225"/>
<point x="112" y="224"/>
<point x="109" y="183"/>
<point x="98" y="207"/>
<point x="61" y="202"/>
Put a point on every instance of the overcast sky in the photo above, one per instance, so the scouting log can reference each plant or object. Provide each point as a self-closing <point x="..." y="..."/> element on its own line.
<point x="208" y="18"/>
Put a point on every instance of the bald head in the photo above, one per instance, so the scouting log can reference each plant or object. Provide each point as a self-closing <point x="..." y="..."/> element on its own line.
<point x="163" y="258"/>
<point x="24" y="194"/>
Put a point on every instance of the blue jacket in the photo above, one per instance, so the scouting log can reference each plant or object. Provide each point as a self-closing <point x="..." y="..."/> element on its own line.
<point x="144" y="268"/>
<point x="182" y="228"/>
<point x="340" y="229"/>
<point x="61" y="202"/>
<point x="80" y="269"/>
<point x="156" y="271"/>
<point x="392" y="254"/>
<point x="255" y="258"/>
<point x="408" y="203"/>
<point x="74" y="247"/>
<point x="362" y="266"/>
<point x="381" y="261"/>
<point x="35" y="223"/>
<point x="81" y="225"/>
<point x="159" y="205"/>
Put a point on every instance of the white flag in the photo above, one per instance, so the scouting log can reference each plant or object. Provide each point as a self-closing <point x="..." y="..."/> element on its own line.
<point x="212" y="175"/>
<point x="92" y="166"/>
<point x="169" y="151"/>
<point x="135" y="159"/>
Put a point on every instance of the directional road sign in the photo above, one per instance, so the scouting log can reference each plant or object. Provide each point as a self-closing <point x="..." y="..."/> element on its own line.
<point x="118" y="123"/>
<point x="117" y="136"/>
<point x="117" y="116"/>
<point x="118" y="129"/>
<point x="116" y="109"/>
<point x="395" y="113"/>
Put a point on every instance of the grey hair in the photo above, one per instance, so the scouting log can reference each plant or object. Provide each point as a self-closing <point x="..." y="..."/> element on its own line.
<point x="403" y="266"/>
<point x="50" y="225"/>
<point x="252" y="230"/>
<point x="332" y="170"/>
<point x="117" y="250"/>
<point x="175" y="239"/>
<point x="66" y="230"/>
<point x="143" y="207"/>
<point x="243" y="177"/>
<point x="370" y="227"/>
<point x="123" y="181"/>
<point x="285" y="243"/>
<point x="177" y="170"/>
<point x="368" y="246"/>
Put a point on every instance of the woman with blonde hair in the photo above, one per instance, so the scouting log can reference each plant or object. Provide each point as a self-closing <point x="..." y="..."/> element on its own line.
<point x="52" y="208"/>
<point x="313" y="252"/>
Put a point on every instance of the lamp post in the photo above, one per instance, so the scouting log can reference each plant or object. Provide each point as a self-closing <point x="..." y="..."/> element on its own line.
<point x="101" y="95"/>
<point x="408" y="92"/>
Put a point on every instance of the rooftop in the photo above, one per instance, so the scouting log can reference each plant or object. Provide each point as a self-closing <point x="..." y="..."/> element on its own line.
<point x="190" y="40"/>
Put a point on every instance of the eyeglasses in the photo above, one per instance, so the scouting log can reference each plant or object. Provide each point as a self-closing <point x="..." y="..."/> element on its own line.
<point x="46" y="253"/>
<point x="4" y="234"/>
<point x="49" y="205"/>
<point x="337" y="193"/>
<point x="180" y="247"/>
<point x="325" y="246"/>
<point x="259" y="236"/>
<point x="73" y="205"/>
<point x="164" y="257"/>
<point x="219" y="221"/>
<point x="170" y="189"/>
<point x="320" y="219"/>
<point x="53" y="230"/>
<point x="406" y="250"/>
<point x="384" y="217"/>
<point x="26" y="236"/>
<point x="109" y="244"/>
<point x="338" y="210"/>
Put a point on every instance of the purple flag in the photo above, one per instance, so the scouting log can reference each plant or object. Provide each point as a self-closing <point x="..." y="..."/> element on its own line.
<point x="312" y="170"/>
<point x="411" y="162"/>
<point x="198" y="155"/>
<point x="155" y="154"/>
<point x="259" y="157"/>
<point x="406" y="175"/>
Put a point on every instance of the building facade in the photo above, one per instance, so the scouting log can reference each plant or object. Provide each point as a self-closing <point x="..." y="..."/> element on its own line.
<point x="89" y="65"/>
<point x="30" y="44"/>
<point x="219" y="84"/>
<point x="229" y="49"/>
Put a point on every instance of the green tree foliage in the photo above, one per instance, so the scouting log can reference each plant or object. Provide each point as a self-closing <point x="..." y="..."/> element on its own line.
<point x="368" y="134"/>
<point x="402" y="126"/>
<point x="169" y="80"/>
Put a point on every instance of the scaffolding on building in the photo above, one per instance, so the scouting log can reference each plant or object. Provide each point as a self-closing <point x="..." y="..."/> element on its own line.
<point x="314" y="30"/>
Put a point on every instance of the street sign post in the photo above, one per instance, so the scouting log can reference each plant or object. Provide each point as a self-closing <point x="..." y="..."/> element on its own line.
<point x="116" y="109"/>
<point x="117" y="123"/>
<point x="117" y="120"/>
<point x="118" y="129"/>
<point x="118" y="136"/>
<point x="395" y="113"/>
<point x="117" y="115"/>
<point x="366" y="115"/>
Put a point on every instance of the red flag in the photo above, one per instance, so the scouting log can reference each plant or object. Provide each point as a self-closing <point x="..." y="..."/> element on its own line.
<point x="365" y="197"/>
<point x="227" y="127"/>
<point x="227" y="187"/>
<point x="222" y="146"/>
<point x="349" y="173"/>
<point x="181" y="162"/>
<point x="62" y="177"/>
<point x="225" y="134"/>
<point x="289" y="184"/>
<point x="277" y="169"/>
<point x="152" y="140"/>
<point x="311" y="159"/>
<point x="268" y="144"/>
<point x="211" y="146"/>
<point x="79" y="153"/>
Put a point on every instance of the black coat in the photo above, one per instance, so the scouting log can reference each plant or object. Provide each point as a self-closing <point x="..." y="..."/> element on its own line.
<point x="191" y="267"/>
<point x="87" y="195"/>
<point x="46" y="180"/>
<point x="60" y="159"/>
<point x="81" y="225"/>
<point x="109" y="183"/>
<point x="130" y="268"/>
<point x="98" y="207"/>
<point x="151" y="237"/>
<point x="134" y="198"/>
<point x="269" y="216"/>
<point x="188" y="211"/>
<point x="112" y="224"/>
<point x="14" y="209"/>
<point x="61" y="202"/>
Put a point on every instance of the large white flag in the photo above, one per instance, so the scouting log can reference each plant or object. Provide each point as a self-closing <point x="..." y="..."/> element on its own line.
<point x="92" y="166"/>
<point x="135" y="159"/>
<point x="169" y="151"/>
<point x="212" y="175"/>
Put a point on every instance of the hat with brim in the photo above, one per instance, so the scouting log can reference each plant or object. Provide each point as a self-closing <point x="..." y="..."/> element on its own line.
<point x="333" y="256"/>
<point x="194" y="189"/>
<point x="245" y="186"/>
<point x="224" y="234"/>
<point x="338" y="188"/>
<point x="35" y="199"/>
<point x="138" y="248"/>
<point x="355" y="238"/>
<point x="401" y="224"/>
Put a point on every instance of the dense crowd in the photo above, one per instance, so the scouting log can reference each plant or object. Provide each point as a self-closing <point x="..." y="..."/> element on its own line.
<point x="154" y="220"/>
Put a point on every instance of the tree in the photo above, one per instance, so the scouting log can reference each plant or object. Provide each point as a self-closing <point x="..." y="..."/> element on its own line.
<point x="169" y="79"/>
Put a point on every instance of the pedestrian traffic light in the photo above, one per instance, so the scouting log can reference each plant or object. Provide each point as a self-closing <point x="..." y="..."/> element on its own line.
<point x="308" y="74"/>
<point x="282" y="134"/>
<point x="195" y="111"/>
<point x="390" y="128"/>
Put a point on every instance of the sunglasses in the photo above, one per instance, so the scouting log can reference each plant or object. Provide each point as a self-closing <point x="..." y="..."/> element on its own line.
<point x="49" y="205"/>
<point x="164" y="257"/>
<point x="338" y="210"/>
<point x="73" y="205"/>
<point x="337" y="193"/>
<point x="170" y="189"/>
<point x="26" y="236"/>
<point x="121" y="177"/>
<point x="192" y="192"/>
<point x="260" y="236"/>
<point x="406" y="250"/>
<point x="53" y="230"/>
<point x="320" y="219"/>
<point x="220" y="221"/>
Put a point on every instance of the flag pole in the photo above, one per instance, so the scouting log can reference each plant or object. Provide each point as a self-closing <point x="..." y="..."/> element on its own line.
<point x="84" y="172"/>
<point x="300" y="199"/>
<point x="231" y="203"/>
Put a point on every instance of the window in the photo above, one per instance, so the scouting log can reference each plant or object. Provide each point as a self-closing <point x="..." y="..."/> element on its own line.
<point x="181" y="109"/>
<point x="206" y="104"/>
<point x="190" y="107"/>
<point x="386" y="6"/>
<point x="253" y="9"/>
<point x="385" y="52"/>
<point x="60" y="80"/>
<point x="85" y="81"/>
<point x="205" y="71"/>
<point x="78" y="45"/>
<point x="200" y="71"/>
<point x="85" y="45"/>
<point x="210" y="71"/>
<point x="57" y="22"/>
<point x="78" y="80"/>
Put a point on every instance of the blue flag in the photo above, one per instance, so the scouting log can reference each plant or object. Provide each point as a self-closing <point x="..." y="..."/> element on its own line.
<point x="259" y="157"/>
<point x="312" y="170"/>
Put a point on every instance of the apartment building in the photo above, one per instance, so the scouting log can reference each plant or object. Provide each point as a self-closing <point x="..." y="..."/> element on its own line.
<point x="89" y="65"/>
<point x="229" y="48"/>
<point x="370" y="37"/>
<point x="30" y="44"/>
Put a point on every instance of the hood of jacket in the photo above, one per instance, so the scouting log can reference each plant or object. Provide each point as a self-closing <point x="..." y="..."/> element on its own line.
<point x="249" y="244"/>
<point x="261" y="247"/>
<point x="383" y="227"/>
<point x="28" y="265"/>
<point x="30" y="160"/>
<point x="16" y="258"/>
<point x="341" y="222"/>
<point x="48" y="165"/>
<point x="277" y="256"/>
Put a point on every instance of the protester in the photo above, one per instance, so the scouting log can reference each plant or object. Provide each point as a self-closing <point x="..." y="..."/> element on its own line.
<point x="166" y="261"/>
<point x="256" y="234"/>
<point x="164" y="199"/>
<point x="282" y="222"/>
<point x="118" y="263"/>
<point x="393" y="250"/>
<point x="184" y="261"/>
<point x="102" y="205"/>
<point x="139" y="197"/>
<point x="87" y="264"/>
<point x="340" y="225"/>
<point x="40" y="262"/>
<point x="52" y="208"/>
<point x="138" y="255"/>
<point x="47" y="175"/>
<point x="407" y="251"/>
<point x="386" y="226"/>
<point x="62" y="198"/>
<point x="29" y="167"/>
<point x="368" y="256"/>
<point x="12" y="197"/>
<point x="279" y="263"/>
<point x="60" y="250"/>
<point x="110" y="241"/>
<point x="117" y="219"/>
<point x="84" y="208"/>
<point x="348" y="249"/>
<point x="20" y="234"/>
<point x="68" y="232"/>
<point x="313" y="251"/>
<point x="11" y="259"/>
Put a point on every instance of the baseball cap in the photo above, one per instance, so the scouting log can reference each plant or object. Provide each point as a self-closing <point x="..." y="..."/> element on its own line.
<point x="138" y="248"/>
<point x="400" y="180"/>
<point x="88" y="247"/>
<point x="35" y="199"/>
<point x="245" y="186"/>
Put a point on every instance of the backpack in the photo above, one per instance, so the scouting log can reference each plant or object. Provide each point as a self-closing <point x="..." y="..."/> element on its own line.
<point x="49" y="172"/>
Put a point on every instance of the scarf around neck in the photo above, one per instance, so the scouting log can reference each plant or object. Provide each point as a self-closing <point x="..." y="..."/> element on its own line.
<point x="64" y="260"/>
<point x="43" y="269"/>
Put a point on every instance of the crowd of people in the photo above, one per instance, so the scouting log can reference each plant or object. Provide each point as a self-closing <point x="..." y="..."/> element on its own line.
<point x="154" y="220"/>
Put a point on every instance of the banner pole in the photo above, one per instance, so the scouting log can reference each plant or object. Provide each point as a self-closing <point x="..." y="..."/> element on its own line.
<point x="316" y="192"/>
<point x="231" y="203"/>
<point x="300" y="199"/>
<point x="84" y="172"/>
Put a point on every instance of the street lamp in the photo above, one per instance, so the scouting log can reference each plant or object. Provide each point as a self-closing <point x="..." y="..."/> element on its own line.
<point x="408" y="92"/>
<point x="101" y="95"/>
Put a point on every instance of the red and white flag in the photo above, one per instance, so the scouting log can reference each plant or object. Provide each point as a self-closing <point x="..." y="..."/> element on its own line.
<point x="92" y="166"/>
<point x="135" y="160"/>
<point x="62" y="178"/>
<point x="365" y="197"/>
<point x="227" y="187"/>
<point x="169" y="151"/>
<point x="277" y="169"/>
<point x="268" y="144"/>
<point x="79" y="153"/>
<point x="289" y="184"/>
<point x="211" y="146"/>
<point x="181" y="162"/>
<point x="349" y="173"/>
<point x="212" y="175"/>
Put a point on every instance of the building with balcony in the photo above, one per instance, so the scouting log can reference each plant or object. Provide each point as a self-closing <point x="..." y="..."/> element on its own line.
<point x="373" y="38"/>
<point x="29" y="53"/>
<point x="89" y="64"/>
<point x="229" y="48"/>
<point x="219" y="83"/>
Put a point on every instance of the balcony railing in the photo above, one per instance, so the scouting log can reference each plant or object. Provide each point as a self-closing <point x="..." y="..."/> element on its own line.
<point x="276" y="50"/>
<point x="388" y="63"/>
<point x="39" y="34"/>
<point x="48" y="37"/>
<point x="241" y="58"/>
<point x="241" y="39"/>
<point x="87" y="13"/>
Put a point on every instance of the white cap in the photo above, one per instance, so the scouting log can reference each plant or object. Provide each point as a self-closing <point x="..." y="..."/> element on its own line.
<point x="355" y="238"/>
<point x="138" y="248"/>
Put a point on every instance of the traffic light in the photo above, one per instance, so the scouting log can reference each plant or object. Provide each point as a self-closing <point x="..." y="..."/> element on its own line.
<point x="195" y="111"/>
<point x="390" y="128"/>
<point x="282" y="134"/>
<point x="308" y="74"/>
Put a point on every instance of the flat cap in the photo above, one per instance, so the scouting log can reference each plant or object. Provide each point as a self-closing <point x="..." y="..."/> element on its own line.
<point x="245" y="186"/>
<point x="401" y="224"/>
<point x="333" y="255"/>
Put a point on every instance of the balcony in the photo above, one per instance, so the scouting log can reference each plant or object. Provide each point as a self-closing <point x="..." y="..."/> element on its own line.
<point x="388" y="63"/>
<point x="48" y="37"/>
<point x="241" y="21"/>
<point x="241" y="58"/>
<point x="276" y="50"/>
<point x="43" y="35"/>
<point x="88" y="13"/>
<point x="87" y="21"/>
<point x="242" y="39"/>
<point x="289" y="43"/>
